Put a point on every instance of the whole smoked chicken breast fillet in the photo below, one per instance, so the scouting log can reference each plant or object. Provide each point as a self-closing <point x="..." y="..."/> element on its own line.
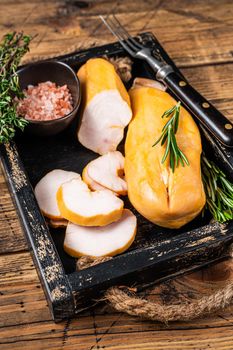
<point x="165" y="198"/>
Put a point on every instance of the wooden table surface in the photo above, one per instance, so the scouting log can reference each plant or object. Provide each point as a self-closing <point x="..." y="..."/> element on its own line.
<point x="198" y="36"/>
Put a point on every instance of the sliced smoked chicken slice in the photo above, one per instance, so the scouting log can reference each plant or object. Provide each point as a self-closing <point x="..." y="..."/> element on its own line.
<point x="78" y="204"/>
<point x="106" y="107"/>
<point x="106" y="171"/>
<point x="94" y="186"/>
<point x="101" y="241"/>
<point x="46" y="191"/>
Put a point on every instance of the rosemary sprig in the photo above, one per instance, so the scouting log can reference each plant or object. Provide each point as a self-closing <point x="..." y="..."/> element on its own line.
<point x="12" y="48"/>
<point x="169" y="130"/>
<point x="219" y="191"/>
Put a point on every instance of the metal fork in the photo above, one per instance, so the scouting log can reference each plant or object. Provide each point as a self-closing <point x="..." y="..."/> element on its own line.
<point x="205" y="112"/>
<point x="136" y="49"/>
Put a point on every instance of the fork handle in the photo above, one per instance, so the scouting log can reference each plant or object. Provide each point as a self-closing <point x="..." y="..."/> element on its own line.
<point x="205" y="112"/>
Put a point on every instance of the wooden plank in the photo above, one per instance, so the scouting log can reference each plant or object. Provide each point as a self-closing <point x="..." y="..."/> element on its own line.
<point x="22" y="297"/>
<point x="12" y="237"/>
<point x="61" y="26"/>
<point x="200" y="339"/>
<point x="105" y="323"/>
<point x="65" y="336"/>
<point x="215" y="83"/>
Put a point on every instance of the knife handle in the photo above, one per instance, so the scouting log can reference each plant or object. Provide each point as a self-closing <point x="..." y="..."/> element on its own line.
<point x="204" y="111"/>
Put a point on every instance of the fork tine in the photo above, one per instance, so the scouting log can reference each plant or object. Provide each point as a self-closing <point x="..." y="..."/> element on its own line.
<point x="123" y="35"/>
<point x="112" y="27"/>
<point x="135" y="42"/>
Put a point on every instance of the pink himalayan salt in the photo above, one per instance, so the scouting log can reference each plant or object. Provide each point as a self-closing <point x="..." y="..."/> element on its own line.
<point x="46" y="101"/>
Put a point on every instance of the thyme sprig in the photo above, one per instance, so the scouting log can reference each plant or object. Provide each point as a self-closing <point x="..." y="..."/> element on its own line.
<point x="12" y="48"/>
<point x="176" y="156"/>
<point x="219" y="191"/>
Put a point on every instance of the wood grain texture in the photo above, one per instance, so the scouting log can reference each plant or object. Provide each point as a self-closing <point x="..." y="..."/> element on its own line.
<point x="11" y="233"/>
<point x="198" y="36"/>
<point x="193" y="32"/>
<point x="22" y="301"/>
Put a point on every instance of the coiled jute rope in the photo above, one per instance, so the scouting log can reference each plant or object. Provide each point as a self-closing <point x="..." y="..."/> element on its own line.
<point x="135" y="306"/>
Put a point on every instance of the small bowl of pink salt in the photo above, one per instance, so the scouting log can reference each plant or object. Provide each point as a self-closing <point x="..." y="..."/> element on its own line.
<point x="51" y="97"/>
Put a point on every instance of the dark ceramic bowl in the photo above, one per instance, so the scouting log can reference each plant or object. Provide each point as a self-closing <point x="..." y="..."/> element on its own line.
<point x="61" y="74"/>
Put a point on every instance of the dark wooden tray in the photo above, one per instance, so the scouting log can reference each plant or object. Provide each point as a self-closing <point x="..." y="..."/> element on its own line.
<point x="156" y="254"/>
